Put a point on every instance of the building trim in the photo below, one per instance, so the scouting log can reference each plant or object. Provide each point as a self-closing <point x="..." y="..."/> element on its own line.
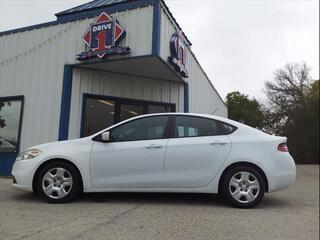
<point x="85" y="14"/>
<point x="112" y="8"/>
<point x="156" y="28"/>
<point x="174" y="21"/>
<point x="186" y="97"/>
<point x="7" y="159"/>
<point x="65" y="102"/>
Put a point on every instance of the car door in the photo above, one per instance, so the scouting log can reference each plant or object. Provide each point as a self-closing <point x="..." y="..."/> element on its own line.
<point x="134" y="156"/>
<point x="196" y="151"/>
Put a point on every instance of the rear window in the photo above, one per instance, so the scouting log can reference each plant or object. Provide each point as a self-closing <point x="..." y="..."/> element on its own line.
<point x="190" y="126"/>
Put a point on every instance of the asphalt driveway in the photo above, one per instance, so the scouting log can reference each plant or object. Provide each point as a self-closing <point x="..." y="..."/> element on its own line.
<point x="289" y="214"/>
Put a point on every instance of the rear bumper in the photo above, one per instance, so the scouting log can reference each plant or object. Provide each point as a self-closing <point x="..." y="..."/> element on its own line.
<point x="280" y="170"/>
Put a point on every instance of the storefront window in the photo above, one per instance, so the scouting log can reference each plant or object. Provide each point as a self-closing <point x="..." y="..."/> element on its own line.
<point x="10" y="117"/>
<point x="102" y="112"/>
<point x="159" y="109"/>
<point x="129" y="111"/>
<point x="98" y="113"/>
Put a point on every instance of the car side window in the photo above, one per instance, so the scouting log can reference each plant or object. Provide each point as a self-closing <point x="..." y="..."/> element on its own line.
<point x="189" y="126"/>
<point x="227" y="128"/>
<point x="141" y="129"/>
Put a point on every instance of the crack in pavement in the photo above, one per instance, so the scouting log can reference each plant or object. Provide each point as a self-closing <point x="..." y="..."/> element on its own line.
<point x="109" y="221"/>
<point x="45" y="229"/>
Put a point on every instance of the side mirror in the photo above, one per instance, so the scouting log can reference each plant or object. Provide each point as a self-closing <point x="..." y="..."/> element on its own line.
<point x="105" y="136"/>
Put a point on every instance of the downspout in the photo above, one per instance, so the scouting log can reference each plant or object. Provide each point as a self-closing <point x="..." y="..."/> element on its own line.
<point x="186" y="96"/>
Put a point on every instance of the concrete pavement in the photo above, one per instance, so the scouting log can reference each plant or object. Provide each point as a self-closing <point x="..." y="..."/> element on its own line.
<point x="288" y="214"/>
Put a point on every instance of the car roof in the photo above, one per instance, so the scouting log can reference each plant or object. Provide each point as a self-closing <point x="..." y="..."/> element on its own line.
<point x="222" y="119"/>
<point x="188" y="114"/>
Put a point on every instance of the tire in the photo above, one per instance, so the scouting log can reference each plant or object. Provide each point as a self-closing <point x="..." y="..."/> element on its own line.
<point x="243" y="187"/>
<point x="59" y="182"/>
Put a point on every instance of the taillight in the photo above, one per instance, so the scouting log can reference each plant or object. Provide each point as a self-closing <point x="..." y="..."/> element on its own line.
<point x="282" y="147"/>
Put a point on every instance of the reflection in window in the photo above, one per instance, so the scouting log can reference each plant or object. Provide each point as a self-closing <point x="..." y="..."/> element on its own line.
<point x="10" y="111"/>
<point x="129" y="111"/>
<point x="98" y="114"/>
<point x="187" y="126"/>
<point x="141" y="129"/>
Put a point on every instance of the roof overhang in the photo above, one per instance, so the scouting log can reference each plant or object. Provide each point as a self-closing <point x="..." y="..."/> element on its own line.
<point x="150" y="66"/>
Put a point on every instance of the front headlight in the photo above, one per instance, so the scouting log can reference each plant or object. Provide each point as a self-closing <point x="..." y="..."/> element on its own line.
<point x="29" y="154"/>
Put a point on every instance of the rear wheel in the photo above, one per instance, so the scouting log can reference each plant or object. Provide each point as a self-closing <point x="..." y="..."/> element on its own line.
<point x="243" y="186"/>
<point x="58" y="182"/>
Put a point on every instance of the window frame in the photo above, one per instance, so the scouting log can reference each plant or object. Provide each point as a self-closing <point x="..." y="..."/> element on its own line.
<point x="117" y="108"/>
<point x="219" y="125"/>
<point x="169" y="132"/>
<point x="15" y="98"/>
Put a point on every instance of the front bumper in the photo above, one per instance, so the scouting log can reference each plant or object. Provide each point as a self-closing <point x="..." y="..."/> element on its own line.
<point x="23" y="172"/>
<point x="280" y="170"/>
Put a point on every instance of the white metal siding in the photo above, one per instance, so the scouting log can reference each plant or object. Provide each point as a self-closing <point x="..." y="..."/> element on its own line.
<point x="118" y="85"/>
<point x="203" y="97"/>
<point x="31" y="64"/>
<point x="36" y="74"/>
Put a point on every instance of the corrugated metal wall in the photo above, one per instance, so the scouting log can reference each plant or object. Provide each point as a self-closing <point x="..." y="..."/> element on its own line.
<point x="31" y="64"/>
<point x="119" y="85"/>
<point x="203" y="97"/>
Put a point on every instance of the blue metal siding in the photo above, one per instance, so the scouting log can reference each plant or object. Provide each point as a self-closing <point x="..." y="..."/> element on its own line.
<point x="6" y="163"/>
<point x="186" y="97"/>
<point x="65" y="103"/>
<point x="156" y="28"/>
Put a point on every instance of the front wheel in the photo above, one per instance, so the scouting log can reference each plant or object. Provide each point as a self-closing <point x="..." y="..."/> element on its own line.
<point x="58" y="182"/>
<point x="243" y="186"/>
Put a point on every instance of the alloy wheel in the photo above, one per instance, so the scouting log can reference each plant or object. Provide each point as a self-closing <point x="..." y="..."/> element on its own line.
<point x="244" y="187"/>
<point x="57" y="183"/>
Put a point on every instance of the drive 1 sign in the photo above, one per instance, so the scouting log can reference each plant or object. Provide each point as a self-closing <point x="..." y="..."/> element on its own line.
<point x="102" y="38"/>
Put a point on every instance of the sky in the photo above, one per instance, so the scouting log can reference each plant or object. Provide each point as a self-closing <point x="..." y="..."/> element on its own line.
<point x="239" y="43"/>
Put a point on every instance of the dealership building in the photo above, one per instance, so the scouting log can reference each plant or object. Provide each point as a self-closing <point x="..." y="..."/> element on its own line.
<point x="95" y="65"/>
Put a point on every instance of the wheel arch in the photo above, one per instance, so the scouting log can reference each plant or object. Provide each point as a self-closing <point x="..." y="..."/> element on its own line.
<point x="54" y="160"/>
<point x="243" y="164"/>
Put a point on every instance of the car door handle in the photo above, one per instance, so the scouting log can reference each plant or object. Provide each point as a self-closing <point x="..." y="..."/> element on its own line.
<point x="218" y="143"/>
<point x="154" y="146"/>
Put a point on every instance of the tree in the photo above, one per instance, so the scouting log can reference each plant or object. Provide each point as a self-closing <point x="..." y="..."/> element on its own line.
<point x="292" y="110"/>
<point x="311" y="121"/>
<point x="245" y="110"/>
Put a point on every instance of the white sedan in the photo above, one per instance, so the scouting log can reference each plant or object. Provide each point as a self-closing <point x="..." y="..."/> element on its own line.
<point x="173" y="152"/>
